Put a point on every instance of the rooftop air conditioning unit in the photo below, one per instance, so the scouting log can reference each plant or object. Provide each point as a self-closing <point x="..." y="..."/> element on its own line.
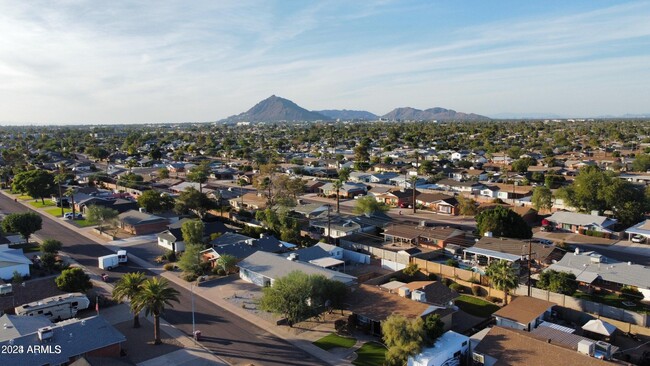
<point x="45" y="333"/>
<point x="586" y="347"/>
<point x="418" y="295"/>
<point x="404" y="292"/>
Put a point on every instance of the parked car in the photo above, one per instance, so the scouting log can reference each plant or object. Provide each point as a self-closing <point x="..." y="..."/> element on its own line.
<point x="77" y="216"/>
<point x="637" y="239"/>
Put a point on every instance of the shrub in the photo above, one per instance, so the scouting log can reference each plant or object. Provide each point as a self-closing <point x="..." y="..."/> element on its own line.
<point x="456" y="287"/>
<point x="476" y="290"/>
<point x="631" y="292"/>
<point x="446" y="281"/>
<point x="451" y="262"/>
<point x="170" y="255"/>
<point x="189" y="276"/>
<point x="168" y="267"/>
<point x="432" y="276"/>
<point x="493" y="299"/>
<point x="219" y="271"/>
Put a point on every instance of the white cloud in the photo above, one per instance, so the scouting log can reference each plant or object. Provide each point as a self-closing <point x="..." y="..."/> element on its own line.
<point x="145" y="62"/>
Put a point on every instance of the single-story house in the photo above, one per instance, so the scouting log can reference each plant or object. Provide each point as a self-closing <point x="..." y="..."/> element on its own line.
<point x="574" y="222"/>
<point x="250" y="201"/>
<point x="593" y="269"/>
<point x="68" y="340"/>
<point x="397" y="197"/>
<point x="456" y="186"/>
<point x="262" y="269"/>
<point x="524" y="313"/>
<point x="172" y="238"/>
<point x="141" y="223"/>
<point x="13" y="260"/>
<point x="347" y="190"/>
<point x="438" y="202"/>
<point x="507" y="346"/>
<point x="371" y="305"/>
<point x="241" y="246"/>
<point x="429" y="237"/>
<point x="542" y="254"/>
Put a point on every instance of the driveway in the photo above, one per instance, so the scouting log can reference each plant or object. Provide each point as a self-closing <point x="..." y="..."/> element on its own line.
<point x="145" y="247"/>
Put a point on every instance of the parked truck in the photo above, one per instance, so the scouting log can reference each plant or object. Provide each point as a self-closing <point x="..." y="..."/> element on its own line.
<point x="122" y="257"/>
<point x="108" y="262"/>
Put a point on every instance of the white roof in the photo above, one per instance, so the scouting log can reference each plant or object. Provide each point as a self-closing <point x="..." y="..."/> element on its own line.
<point x="326" y="262"/>
<point x="393" y="285"/>
<point x="600" y="327"/>
<point x="493" y="254"/>
<point x="575" y="218"/>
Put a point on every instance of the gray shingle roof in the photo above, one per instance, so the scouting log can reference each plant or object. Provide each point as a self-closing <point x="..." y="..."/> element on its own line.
<point x="275" y="266"/>
<point x="574" y="218"/>
<point x="75" y="337"/>
<point x="585" y="265"/>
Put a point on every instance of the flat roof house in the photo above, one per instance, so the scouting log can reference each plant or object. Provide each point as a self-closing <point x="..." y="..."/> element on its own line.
<point x="262" y="269"/>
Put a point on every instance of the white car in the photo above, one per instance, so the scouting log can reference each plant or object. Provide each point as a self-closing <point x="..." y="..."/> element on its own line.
<point x="637" y="239"/>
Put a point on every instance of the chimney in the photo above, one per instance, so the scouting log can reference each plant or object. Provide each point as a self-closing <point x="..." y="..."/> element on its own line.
<point x="45" y="333"/>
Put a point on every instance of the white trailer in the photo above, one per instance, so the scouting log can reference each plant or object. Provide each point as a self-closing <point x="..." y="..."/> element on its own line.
<point x="109" y="262"/>
<point x="122" y="257"/>
<point x="56" y="308"/>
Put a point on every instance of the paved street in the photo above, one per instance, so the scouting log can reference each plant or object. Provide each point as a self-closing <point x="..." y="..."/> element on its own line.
<point x="236" y="340"/>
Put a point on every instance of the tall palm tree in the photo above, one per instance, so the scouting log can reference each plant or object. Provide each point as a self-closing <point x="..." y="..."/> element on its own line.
<point x="70" y="193"/>
<point x="337" y="184"/>
<point x="128" y="287"/>
<point x="154" y="294"/>
<point x="502" y="276"/>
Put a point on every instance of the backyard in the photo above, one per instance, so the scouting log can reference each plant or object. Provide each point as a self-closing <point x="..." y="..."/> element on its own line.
<point x="475" y="306"/>
<point x="613" y="299"/>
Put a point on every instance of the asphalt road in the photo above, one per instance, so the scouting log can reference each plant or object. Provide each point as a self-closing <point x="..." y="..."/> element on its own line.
<point x="236" y="340"/>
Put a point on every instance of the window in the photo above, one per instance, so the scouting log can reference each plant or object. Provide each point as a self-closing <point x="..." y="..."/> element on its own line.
<point x="75" y="303"/>
<point x="464" y="343"/>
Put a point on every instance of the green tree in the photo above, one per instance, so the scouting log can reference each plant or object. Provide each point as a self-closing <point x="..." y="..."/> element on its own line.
<point x="467" y="206"/>
<point x="154" y="295"/>
<point x="433" y="329"/>
<point x="411" y="270"/>
<point x="199" y="174"/>
<point x="502" y="221"/>
<point x="25" y="223"/>
<point x="289" y="297"/>
<point x="190" y="260"/>
<point x="228" y="263"/>
<point x="641" y="163"/>
<point x="17" y="278"/>
<point x="368" y="205"/>
<point x="128" y="287"/>
<point x="73" y="280"/>
<point x="192" y="231"/>
<point x="163" y="173"/>
<point x="153" y="201"/>
<point x="521" y="165"/>
<point x="35" y="183"/>
<point x="502" y="276"/>
<point x="344" y="174"/>
<point x="51" y="246"/>
<point x="402" y="337"/>
<point x="194" y="201"/>
<point x="542" y="198"/>
<point x="559" y="282"/>
<point x="101" y="216"/>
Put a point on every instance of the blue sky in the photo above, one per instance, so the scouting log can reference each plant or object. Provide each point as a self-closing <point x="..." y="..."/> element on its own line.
<point x="73" y="61"/>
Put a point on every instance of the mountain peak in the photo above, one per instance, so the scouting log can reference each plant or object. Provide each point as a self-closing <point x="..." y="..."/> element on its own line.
<point x="275" y="109"/>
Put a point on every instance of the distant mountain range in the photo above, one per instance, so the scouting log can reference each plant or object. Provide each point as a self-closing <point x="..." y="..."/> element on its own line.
<point x="431" y="114"/>
<point x="276" y="109"/>
<point x="345" y="114"/>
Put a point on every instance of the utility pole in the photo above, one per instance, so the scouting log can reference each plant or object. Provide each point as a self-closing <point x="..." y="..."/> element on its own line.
<point x="530" y="258"/>
<point x="415" y="180"/>
<point x="329" y="225"/>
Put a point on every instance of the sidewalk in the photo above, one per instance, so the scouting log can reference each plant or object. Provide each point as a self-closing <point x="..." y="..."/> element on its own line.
<point x="303" y="340"/>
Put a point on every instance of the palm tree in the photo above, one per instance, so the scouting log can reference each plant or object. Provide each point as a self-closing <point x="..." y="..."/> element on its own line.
<point x="154" y="294"/>
<point x="502" y="276"/>
<point x="128" y="287"/>
<point x="337" y="184"/>
<point x="70" y="193"/>
<point x="228" y="263"/>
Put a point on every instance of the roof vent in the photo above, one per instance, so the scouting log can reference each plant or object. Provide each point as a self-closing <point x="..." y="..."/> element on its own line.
<point x="45" y="333"/>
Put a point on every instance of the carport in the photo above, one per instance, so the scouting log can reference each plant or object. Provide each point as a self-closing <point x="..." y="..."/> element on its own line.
<point x="490" y="255"/>
<point x="642" y="229"/>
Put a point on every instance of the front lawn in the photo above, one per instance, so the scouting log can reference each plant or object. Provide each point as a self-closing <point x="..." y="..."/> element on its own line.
<point x="475" y="306"/>
<point x="333" y="340"/>
<point x="370" y="354"/>
<point x="56" y="211"/>
<point x="81" y="223"/>
<point x="39" y="204"/>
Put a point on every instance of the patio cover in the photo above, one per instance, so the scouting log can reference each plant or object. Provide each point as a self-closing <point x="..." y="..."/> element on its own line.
<point x="600" y="327"/>
<point x="493" y="254"/>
